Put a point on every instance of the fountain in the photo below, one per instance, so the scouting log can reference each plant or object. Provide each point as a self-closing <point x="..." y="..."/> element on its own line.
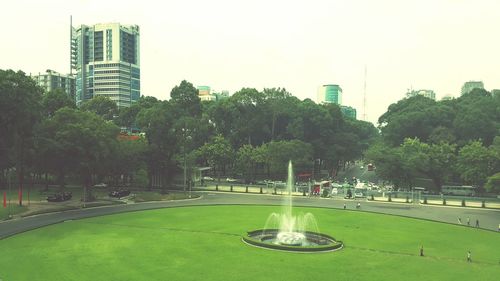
<point x="287" y="232"/>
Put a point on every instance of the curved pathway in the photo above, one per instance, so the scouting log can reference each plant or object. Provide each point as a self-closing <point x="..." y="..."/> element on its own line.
<point x="489" y="219"/>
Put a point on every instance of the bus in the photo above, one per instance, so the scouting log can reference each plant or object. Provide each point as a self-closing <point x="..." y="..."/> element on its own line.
<point x="464" y="190"/>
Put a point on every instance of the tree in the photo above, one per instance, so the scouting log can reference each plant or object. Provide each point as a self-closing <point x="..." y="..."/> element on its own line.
<point x="77" y="142"/>
<point x="391" y="165"/>
<point x="475" y="163"/>
<point x="19" y="112"/>
<point x="55" y="100"/>
<point x="158" y="122"/>
<point x="101" y="106"/>
<point x="245" y="162"/>
<point x="185" y="99"/>
<point x="433" y="160"/>
<point x="493" y="183"/>
<point x="218" y="153"/>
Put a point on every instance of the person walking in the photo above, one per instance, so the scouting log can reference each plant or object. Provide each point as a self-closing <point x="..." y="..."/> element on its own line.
<point x="468" y="221"/>
<point x="345" y="207"/>
<point x="469" y="259"/>
<point x="459" y="221"/>
<point x="477" y="223"/>
<point x="422" y="251"/>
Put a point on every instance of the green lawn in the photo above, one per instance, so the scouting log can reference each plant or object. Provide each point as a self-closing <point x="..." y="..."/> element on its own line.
<point x="204" y="243"/>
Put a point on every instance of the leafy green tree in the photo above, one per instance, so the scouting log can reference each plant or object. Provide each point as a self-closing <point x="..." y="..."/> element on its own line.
<point x="391" y="164"/>
<point x="475" y="163"/>
<point x="493" y="183"/>
<point x="280" y="152"/>
<point x="20" y="111"/>
<point x="433" y="160"/>
<point x="158" y="123"/>
<point x="185" y="99"/>
<point x="77" y="142"/>
<point x="245" y="162"/>
<point x="218" y="153"/>
<point x="55" y="100"/>
<point x="101" y="106"/>
<point x="127" y="158"/>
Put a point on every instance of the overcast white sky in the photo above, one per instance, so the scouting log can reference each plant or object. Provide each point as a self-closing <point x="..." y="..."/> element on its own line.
<point x="298" y="45"/>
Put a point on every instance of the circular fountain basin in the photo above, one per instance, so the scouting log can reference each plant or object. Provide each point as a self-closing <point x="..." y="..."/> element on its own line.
<point x="291" y="238"/>
<point x="292" y="241"/>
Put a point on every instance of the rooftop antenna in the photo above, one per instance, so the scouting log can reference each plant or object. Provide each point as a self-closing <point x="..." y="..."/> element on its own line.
<point x="364" y="98"/>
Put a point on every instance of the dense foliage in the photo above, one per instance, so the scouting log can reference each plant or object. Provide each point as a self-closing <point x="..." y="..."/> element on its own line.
<point x="451" y="141"/>
<point x="248" y="134"/>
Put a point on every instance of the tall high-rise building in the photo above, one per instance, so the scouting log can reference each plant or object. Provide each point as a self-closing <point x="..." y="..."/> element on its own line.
<point x="51" y="80"/>
<point x="330" y="94"/>
<point x="107" y="62"/>
<point x="471" y="85"/>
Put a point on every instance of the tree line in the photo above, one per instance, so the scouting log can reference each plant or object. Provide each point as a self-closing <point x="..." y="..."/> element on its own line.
<point x="449" y="141"/>
<point x="44" y="135"/>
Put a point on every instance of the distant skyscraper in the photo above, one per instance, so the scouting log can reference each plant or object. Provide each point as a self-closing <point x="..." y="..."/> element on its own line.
<point x="426" y="93"/>
<point x="107" y="62"/>
<point x="330" y="94"/>
<point x="348" y="111"/>
<point x="51" y="80"/>
<point x="471" y="85"/>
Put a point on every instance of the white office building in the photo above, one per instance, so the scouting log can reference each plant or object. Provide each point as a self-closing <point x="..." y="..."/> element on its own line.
<point x="106" y="58"/>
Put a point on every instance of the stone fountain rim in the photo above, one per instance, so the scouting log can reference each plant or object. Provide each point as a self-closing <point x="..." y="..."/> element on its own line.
<point x="334" y="246"/>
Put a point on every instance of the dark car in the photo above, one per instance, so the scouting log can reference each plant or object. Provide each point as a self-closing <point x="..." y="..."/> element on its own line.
<point x="59" y="197"/>
<point x="119" y="193"/>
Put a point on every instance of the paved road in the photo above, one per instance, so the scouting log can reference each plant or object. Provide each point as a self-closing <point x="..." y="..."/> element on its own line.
<point x="489" y="219"/>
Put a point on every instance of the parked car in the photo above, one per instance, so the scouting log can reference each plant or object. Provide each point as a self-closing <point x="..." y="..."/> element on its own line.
<point x="358" y="194"/>
<point x="231" y="180"/>
<point x="119" y="193"/>
<point x="59" y="197"/>
<point x="101" y="185"/>
<point x="208" y="178"/>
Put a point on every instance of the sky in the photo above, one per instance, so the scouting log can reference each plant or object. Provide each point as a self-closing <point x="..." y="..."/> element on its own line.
<point x="297" y="45"/>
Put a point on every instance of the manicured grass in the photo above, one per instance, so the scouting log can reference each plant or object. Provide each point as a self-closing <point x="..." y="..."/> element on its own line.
<point x="204" y="243"/>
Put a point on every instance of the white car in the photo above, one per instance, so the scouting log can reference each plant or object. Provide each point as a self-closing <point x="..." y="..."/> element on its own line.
<point x="103" y="185"/>
<point x="208" y="178"/>
<point x="231" y="180"/>
<point x="358" y="194"/>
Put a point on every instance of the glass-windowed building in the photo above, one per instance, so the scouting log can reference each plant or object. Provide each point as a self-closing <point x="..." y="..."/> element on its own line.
<point x="471" y="85"/>
<point x="330" y="94"/>
<point x="107" y="62"/>
<point x="51" y="80"/>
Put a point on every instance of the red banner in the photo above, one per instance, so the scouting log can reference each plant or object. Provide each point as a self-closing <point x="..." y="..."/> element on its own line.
<point x="5" y="199"/>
